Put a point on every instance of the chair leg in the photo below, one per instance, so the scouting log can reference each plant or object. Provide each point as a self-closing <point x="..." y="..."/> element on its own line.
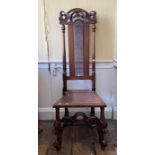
<point x="92" y="113"/>
<point x="66" y="118"/>
<point x="104" y="130"/>
<point x="96" y="123"/>
<point x="102" y="118"/>
<point x="58" y="130"/>
<point x="66" y="112"/>
<point x="102" y="140"/>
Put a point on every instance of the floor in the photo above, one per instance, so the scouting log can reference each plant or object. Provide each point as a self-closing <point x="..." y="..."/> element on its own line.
<point x="77" y="140"/>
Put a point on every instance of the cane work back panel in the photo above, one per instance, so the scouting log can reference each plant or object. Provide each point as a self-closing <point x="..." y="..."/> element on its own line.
<point x="78" y="43"/>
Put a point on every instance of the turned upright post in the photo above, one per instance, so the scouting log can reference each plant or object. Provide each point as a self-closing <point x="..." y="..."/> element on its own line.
<point x="93" y="60"/>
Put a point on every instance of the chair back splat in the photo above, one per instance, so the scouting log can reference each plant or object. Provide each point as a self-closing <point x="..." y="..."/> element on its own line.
<point x="78" y="22"/>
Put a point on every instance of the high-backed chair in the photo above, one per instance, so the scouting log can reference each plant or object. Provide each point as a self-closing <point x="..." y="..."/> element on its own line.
<point x="79" y="24"/>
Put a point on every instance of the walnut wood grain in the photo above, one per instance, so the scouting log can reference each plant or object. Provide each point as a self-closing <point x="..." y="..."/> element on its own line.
<point x="80" y="98"/>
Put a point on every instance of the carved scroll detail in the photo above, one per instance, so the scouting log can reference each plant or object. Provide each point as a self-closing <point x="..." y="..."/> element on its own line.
<point x="77" y="14"/>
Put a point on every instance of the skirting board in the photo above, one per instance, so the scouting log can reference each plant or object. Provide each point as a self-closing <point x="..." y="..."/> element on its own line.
<point x="49" y="113"/>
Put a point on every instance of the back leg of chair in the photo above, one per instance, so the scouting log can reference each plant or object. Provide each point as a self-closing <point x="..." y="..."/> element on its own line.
<point x="92" y="113"/>
<point x="66" y="112"/>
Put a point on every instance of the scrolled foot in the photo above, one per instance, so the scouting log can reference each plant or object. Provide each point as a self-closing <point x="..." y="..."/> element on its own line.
<point x="103" y="144"/>
<point x="58" y="132"/>
<point x="57" y="145"/>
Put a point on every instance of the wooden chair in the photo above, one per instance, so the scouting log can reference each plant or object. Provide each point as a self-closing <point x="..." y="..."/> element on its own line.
<point x="78" y="23"/>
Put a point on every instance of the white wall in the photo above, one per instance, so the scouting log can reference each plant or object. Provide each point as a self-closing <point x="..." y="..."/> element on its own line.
<point x="42" y="46"/>
<point x="105" y="28"/>
<point x="50" y="88"/>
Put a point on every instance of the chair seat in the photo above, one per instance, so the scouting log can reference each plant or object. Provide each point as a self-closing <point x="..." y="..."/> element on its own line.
<point x="80" y="98"/>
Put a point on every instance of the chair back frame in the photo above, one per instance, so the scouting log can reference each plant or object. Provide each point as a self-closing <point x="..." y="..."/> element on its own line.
<point x="78" y="21"/>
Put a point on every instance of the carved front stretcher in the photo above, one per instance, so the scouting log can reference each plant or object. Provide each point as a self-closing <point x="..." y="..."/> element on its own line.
<point x="78" y="23"/>
<point x="80" y="99"/>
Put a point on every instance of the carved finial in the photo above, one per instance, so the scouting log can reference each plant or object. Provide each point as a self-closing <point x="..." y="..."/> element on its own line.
<point x="93" y="16"/>
<point x="62" y="17"/>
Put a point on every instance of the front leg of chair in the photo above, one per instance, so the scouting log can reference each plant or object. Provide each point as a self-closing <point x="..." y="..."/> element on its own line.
<point x="92" y="112"/>
<point x="58" y="130"/>
<point x="95" y="122"/>
<point x="66" y="112"/>
<point x="103" y="121"/>
<point x="102" y="140"/>
<point x="103" y="129"/>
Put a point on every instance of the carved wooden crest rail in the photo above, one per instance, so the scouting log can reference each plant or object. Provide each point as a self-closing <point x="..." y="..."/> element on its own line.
<point x="77" y="14"/>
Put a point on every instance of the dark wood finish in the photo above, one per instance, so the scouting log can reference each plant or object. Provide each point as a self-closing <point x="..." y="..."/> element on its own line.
<point x="93" y="61"/>
<point x="66" y="112"/>
<point x="71" y="49"/>
<point x="69" y="19"/>
<point x="64" y="60"/>
<point x="102" y="113"/>
<point x="78" y="22"/>
<point x="80" y="118"/>
<point x="92" y="112"/>
<point x="58" y="130"/>
<point x="80" y="98"/>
